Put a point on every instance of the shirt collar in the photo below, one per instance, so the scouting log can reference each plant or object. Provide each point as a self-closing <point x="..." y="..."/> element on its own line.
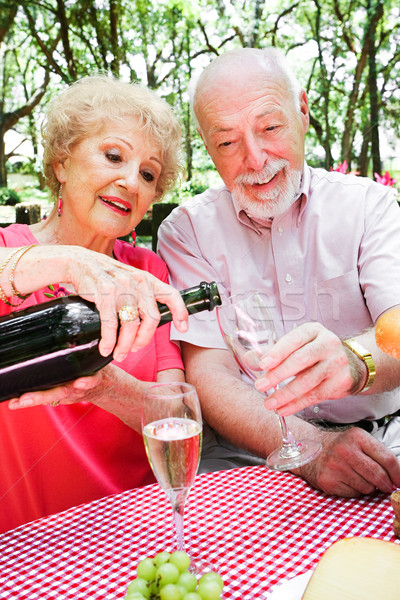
<point x="304" y="192"/>
<point x="299" y="204"/>
<point x="244" y="218"/>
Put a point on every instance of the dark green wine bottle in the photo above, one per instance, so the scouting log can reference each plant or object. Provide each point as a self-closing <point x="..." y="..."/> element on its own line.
<point x="49" y="344"/>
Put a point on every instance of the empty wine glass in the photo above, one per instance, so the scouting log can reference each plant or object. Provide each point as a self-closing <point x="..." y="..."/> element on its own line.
<point x="249" y="331"/>
<point x="172" y="433"/>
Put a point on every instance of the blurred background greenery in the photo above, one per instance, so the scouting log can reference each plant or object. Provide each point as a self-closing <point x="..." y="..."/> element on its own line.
<point x="346" y="54"/>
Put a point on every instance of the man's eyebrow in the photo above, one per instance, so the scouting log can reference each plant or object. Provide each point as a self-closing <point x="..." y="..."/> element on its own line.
<point x="264" y="113"/>
<point x="215" y="130"/>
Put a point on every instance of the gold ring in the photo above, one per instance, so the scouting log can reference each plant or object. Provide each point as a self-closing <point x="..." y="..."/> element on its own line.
<point x="55" y="403"/>
<point x="128" y="313"/>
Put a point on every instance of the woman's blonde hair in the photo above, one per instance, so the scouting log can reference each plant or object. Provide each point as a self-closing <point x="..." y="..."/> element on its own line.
<point x="79" y="111"/>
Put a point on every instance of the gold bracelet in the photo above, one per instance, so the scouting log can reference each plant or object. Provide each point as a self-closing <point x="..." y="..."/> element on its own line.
<point x="9" y="257"/>
<point x="3" y="266"/>
<point x="11" y="276"/>
<point x="21" y="250"/>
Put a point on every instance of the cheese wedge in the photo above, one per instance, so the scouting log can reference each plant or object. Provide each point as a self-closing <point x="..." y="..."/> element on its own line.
<point x="358" y="568"/>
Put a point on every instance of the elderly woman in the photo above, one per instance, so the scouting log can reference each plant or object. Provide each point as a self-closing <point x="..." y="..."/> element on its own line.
<point x="110" y="150"/>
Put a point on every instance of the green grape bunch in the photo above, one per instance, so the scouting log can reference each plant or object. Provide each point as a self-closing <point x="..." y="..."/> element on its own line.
<point x="167" y="577"/>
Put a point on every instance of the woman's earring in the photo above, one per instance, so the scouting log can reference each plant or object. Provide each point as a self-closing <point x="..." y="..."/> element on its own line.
<point x="59" y="203"/>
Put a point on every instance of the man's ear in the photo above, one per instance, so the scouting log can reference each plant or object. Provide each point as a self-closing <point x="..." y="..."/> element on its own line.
<point x="304" y="111"/>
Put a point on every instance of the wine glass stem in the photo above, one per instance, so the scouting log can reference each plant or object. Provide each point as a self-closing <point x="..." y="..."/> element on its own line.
<point x="178" y="509"/>
<point x="287" y="436"/>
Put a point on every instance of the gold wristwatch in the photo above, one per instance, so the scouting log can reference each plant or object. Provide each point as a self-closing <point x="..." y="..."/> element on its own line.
<point x="365" y="356"/>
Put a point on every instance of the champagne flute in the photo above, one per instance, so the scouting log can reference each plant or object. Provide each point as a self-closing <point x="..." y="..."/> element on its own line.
<point x="249" y="331"/>
<point x="172" y="432"/>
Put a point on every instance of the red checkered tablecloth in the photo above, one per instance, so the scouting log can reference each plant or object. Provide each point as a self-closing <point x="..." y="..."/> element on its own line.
<point x="254" y="525"/>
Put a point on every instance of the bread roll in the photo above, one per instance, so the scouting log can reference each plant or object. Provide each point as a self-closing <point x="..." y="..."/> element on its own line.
<point x="395" y="502"/>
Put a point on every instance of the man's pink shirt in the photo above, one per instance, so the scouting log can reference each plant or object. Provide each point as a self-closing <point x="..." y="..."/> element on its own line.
<point x="333" y="257"/>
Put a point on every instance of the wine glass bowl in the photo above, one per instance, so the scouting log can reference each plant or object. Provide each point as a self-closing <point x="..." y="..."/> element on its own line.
<point x="249" y="331"/>
<point x="172" y="433"/>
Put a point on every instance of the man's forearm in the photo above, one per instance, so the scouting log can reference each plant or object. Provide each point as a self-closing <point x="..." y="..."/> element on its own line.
<point x="387" y="368"/>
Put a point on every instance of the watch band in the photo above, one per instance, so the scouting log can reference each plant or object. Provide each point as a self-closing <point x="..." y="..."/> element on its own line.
<point x="366" y="357"/>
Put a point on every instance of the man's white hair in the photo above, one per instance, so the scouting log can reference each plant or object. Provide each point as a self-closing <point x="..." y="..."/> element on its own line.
<point x="268" y="56"/>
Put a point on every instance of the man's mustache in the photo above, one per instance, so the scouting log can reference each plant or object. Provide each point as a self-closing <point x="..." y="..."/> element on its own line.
<point x="267" y="173"/>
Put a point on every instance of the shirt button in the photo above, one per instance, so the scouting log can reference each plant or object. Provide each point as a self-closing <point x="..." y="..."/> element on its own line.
<point x="288" y="278"/>
<point x="316" y="408"/>
<point x="280" y="229"/>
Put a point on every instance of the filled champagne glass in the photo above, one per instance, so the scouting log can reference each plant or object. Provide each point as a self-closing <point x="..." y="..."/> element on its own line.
<point x="249" y="332"/>
<point x="172" y="433"/>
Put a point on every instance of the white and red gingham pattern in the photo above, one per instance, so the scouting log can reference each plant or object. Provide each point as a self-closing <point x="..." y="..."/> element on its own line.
<point x="253" y="525"/>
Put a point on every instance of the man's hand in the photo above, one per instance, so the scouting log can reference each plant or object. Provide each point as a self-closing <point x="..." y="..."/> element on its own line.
<point x="352" y="463"/>
<point x="319" y="363"/>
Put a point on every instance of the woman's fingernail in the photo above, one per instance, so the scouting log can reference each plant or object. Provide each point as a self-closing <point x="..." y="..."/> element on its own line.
<point x="120" y="357"/>
<point x="22" y="402"/>
<point x="105" y="351"/>
<point x="80" y="385"/>
<point x="13" y="403"/>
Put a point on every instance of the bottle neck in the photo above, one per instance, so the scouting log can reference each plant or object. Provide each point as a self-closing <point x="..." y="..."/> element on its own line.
<point x="204" y="296"/>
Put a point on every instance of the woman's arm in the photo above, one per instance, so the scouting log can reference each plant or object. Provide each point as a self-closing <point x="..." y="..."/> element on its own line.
<point x="100" y="279"/>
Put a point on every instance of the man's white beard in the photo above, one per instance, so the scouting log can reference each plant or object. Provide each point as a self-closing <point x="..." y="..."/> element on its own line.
<point x="268" y="204"/>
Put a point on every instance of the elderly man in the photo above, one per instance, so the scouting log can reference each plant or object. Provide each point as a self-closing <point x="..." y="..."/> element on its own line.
<point x="324" y="248"/>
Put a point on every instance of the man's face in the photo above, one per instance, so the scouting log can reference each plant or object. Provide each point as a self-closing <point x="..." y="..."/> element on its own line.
<point x="254" y="133"/>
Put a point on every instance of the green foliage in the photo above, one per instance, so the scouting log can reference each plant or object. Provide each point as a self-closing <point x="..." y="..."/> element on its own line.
<point x="162" y="43"/>
<point x="8" y="197"/>
<point x="33" y="195"/>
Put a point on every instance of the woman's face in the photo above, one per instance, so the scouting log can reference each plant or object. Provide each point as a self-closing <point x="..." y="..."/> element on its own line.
<point x="110" y="179"/>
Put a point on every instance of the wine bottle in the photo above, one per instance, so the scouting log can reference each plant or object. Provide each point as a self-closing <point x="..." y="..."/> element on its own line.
<point x="49" y="344"/>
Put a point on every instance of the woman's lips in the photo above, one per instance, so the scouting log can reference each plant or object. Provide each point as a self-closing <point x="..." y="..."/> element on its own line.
<point x="116" y="204"/>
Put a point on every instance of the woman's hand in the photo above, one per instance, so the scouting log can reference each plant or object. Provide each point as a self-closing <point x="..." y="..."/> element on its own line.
<point x="111" y="389"/>
<point x="84" y="388"/>
<point x="108" y="283"/>
<point x="112" y="285"/>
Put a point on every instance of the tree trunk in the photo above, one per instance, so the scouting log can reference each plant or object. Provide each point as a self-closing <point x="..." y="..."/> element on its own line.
<point x="258" y="9"/>
<point x="9" y="119"/>
<point x="8" y="14"/>
<point x="189" y="148"/>
<point x="3" y="169"/>
<point x="188" y="120"/>
<point x="363" y="159"/>
<point x="325" y="85"/>
<point x="373" y="96"/>
<point x="374" y="16"/>
<point x="64" y="26"/>
<point x="114" y="16"/>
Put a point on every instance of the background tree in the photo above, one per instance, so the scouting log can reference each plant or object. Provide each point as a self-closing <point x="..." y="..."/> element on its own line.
<point x="20" y="93"/>
<point x="345" y="53"/>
